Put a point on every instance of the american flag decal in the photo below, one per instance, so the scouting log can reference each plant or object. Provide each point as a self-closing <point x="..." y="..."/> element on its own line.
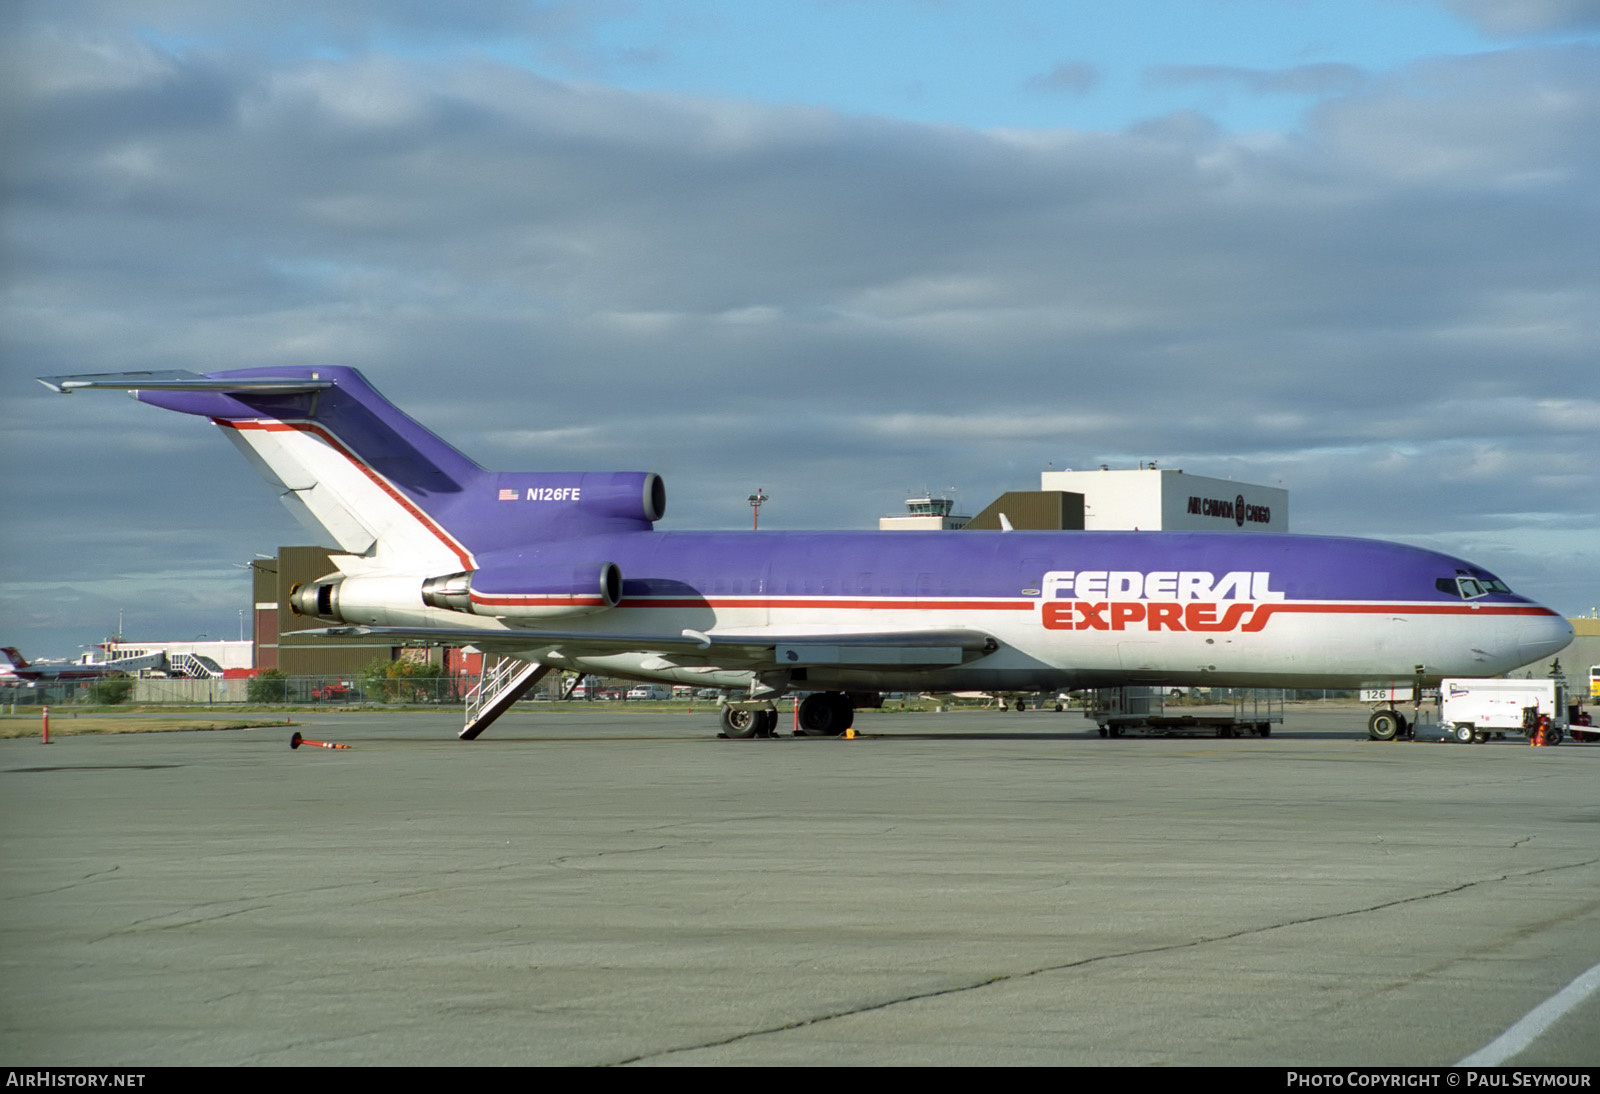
<point x="507" y="494"/>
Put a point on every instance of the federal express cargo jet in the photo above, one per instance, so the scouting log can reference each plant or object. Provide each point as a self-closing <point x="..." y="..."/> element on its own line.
<point x="566" y="570"/>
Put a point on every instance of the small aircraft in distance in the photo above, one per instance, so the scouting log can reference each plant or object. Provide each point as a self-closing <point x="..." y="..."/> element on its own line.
<point x="566" y="570"/>
<point x="16" y="670"/>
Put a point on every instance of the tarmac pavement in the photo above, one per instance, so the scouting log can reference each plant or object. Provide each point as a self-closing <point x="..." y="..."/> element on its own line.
<point x="604" y="886"/>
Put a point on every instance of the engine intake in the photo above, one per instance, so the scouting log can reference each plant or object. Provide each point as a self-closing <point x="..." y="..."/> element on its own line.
<point x="374" y="599"/>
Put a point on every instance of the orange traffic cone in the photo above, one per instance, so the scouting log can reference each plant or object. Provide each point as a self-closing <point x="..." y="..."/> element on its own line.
<point x="296" y="741"/>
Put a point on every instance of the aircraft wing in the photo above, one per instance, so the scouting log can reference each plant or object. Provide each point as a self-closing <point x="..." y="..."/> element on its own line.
<point x="901" y="649"/>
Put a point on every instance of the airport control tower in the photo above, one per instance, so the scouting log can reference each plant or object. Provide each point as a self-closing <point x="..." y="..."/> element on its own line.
<point x="925" y="513"/>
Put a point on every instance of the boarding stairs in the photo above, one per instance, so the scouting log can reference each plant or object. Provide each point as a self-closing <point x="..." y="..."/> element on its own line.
<point x="193" y="666"/>
<point x="500" y="684"/>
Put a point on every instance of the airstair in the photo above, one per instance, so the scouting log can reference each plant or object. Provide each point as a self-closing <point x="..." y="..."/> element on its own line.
<point x="500" y="685"/>
<point x="193" y="666"/>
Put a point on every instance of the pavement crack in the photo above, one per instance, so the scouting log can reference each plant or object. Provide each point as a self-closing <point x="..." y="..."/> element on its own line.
<point x="563" y="860"/>
<point x="154" y="924"/>
<point x="86" y="878"/>
<point x="1144" y="951"/>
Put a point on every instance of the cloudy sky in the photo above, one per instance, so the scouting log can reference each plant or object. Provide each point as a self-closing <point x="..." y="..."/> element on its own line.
<point x="837" y="249"/>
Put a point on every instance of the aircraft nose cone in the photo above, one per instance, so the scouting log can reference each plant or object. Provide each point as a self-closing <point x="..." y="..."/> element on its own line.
<point x="1539" y="637"/>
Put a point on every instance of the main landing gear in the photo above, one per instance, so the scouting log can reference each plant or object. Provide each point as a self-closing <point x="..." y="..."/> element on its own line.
<point x="822" y="714"/>
<point x="826" y="714"/>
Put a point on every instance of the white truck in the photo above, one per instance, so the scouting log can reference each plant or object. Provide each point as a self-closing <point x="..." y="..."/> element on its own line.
<point x="1473" y="709"/>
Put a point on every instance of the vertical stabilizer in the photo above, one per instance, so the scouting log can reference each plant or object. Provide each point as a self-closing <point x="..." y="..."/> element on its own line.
<point x="370" y="481"/>
<point x="364" y="477"/>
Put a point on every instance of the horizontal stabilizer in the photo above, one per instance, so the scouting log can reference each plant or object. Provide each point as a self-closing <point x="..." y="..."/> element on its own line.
<point x="183" y="380"/>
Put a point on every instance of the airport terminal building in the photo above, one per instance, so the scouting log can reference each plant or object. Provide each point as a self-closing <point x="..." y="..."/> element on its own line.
<point x="1145" y="499"/>
<point x="1166" y="500"/>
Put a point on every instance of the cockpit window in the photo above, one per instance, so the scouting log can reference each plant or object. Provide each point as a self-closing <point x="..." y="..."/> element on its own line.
<point x="1470" y="588"/>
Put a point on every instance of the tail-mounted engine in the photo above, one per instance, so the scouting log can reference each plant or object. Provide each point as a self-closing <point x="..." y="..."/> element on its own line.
<point x="540" y="506"/>
<point x="386" y="600"/>
<point x="551" y="593"/>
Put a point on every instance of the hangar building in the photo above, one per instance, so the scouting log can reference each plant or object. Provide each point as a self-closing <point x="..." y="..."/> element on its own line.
<point x="1167" y="500"/>
<point x="1147" y="499"/>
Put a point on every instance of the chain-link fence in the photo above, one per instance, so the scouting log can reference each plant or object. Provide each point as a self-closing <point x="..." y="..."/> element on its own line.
<point x="270" y="689"/>
<point x="175" y="691"/>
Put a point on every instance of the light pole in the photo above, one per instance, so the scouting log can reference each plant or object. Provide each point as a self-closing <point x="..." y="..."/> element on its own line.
<point x="755" y="509"/>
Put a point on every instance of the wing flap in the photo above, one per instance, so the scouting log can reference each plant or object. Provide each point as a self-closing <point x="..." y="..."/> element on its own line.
<point x="824" y="653"/>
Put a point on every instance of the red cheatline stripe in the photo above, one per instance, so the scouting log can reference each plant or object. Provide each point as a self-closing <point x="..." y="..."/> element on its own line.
<point x="1264" y="612"/>
<point x="770" y="602"/>
<point x="433" y="526"/>
<point x="535" y="598"/>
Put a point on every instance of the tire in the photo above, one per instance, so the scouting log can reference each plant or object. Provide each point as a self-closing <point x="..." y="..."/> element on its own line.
<point x="1553" y="735"/>
<point x="826" y="714"/>
<point x="1465" y="733"/>
<point x="1383" y="725"/>
<point x="741" y="725"/>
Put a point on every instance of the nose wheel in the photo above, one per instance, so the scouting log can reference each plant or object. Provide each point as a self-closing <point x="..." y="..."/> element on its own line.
<point x="1385" y="725"/>
<point x="742" y="723"/>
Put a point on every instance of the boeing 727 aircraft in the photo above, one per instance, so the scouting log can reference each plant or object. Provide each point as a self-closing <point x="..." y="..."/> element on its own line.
<point x="566" y="570"/>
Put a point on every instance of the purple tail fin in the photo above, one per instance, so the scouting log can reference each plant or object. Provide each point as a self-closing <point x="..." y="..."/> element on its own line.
<point x="380" y="486"/>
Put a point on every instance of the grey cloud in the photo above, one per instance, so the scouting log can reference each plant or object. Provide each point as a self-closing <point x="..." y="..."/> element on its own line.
<point x="1392" y="312"/>
<point x="1515" y="18"/>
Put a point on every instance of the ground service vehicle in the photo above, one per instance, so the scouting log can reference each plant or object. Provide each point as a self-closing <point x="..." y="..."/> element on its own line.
<point x="1473" y="709"/>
